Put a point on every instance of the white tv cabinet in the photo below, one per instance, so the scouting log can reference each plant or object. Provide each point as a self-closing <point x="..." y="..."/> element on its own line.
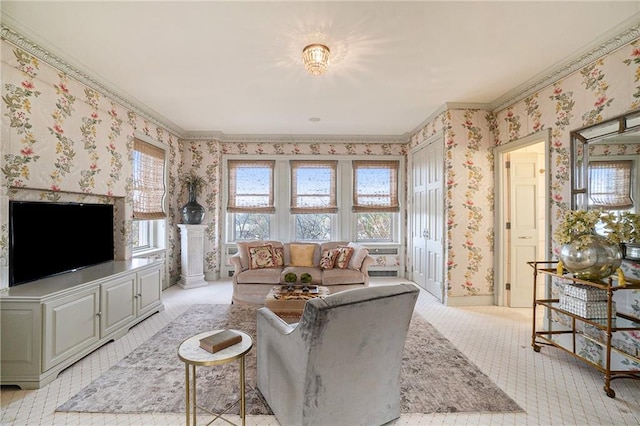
<point x="49" y="324"/>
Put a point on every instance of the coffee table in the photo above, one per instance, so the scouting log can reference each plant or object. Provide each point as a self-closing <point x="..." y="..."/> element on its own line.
<point x="193" y="355"/>
<point x="289" y="305"/>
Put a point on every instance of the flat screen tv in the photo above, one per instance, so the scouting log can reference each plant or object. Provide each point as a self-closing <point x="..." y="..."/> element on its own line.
<point x="48" y="238"/>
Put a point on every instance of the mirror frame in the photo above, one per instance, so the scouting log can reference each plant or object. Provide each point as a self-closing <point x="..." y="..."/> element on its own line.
<point x="581" y="138"/>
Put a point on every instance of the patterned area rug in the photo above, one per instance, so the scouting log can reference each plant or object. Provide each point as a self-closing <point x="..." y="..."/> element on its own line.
<point x="436" y="377"/>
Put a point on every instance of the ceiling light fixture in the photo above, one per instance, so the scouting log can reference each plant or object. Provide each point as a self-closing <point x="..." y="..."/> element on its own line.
<point x="316" y="58"/>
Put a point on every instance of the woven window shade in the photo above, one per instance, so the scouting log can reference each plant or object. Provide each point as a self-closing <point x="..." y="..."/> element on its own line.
<point x="610" y="184"/>
<point x="375" y="186"/>
<point x="313" y="187"/>
<point x="251" y="186"/>
<point x="148" y="181"/>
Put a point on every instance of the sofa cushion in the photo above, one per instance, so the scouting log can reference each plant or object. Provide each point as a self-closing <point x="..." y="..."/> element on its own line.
<point x="243" y="251"/>
<point x="260" y="276"/>
<point x="278" y="257"/>
<point x="261" y="257"/>
<point x="328" y="259"/>
<point x="341" y="276"/>
<point x="343" y="257"/>
<point x="301" y="254"/>
<point x="359" y="253"/>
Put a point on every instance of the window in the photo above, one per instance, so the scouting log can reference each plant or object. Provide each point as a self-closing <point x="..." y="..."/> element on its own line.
<point x="313" y="198"/>
<point x="610" y="184"/>
<point x="251" y="198"/>
<point x="375" y="199"/>
<point x="148" y="196"/>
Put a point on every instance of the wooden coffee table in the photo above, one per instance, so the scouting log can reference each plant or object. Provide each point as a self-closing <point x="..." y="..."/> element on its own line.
<point x="289" y="305"/>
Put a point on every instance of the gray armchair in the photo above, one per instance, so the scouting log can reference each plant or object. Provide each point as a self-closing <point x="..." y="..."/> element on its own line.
<point x="340" y="365"/>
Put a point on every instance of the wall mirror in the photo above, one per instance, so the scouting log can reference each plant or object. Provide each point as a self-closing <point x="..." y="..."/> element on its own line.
<point x="605" y="160"/>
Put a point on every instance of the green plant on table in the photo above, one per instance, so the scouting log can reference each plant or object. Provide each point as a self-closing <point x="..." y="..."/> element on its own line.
<point x="290" y="277"/>
<point x="305" y="278"/>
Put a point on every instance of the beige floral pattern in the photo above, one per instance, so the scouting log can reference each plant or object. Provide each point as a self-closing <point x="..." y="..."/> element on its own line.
<point x="17" y="99"/>
<point x="261" y="257"/>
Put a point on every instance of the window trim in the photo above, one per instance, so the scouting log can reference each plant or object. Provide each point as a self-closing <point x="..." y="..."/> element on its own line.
<point x="394" y="204"/>
<point x="621" y="200"/>
<point x="343" y="227"/>
<point x="332" y="205"/>
<point x="232" y="167"/>
<point x="158" y="235"/>
<point x="148" y="196"/>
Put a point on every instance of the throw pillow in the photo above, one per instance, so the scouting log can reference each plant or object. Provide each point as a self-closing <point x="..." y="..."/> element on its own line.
<point x="278" y="257"/>
<point x="261" y="257"/>
<point x="343" y="257"/>
<point x="359" y="253"/>
<point x="302" y="254"/>
<point x="328" y="259"/>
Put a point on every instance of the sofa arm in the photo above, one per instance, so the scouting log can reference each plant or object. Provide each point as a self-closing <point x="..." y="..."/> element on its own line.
<point x="368" y="261"/>
<point x="237" y="265"/>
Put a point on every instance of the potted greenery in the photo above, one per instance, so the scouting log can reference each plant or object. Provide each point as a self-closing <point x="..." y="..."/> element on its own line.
<point x="305" y="279"/>
<point x="290" y="278"/>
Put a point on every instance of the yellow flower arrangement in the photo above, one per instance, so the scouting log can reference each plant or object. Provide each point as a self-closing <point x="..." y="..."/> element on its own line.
<point x="578" y="226"/>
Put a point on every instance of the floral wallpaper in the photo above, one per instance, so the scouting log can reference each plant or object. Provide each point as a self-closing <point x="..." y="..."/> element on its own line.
<point x="204" y="158"/>
<point x="62" y="141"/>
<point x="606" y="88"/>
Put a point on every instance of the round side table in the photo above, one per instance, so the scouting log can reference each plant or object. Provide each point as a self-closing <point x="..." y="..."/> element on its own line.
<point x="193" y="355"/>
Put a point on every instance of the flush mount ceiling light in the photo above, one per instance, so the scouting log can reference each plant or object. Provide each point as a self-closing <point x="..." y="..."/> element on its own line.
<point x="316" y="58"/>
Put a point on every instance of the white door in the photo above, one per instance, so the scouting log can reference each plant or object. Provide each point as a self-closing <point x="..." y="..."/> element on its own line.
<point x="524" y="233"/>
<point x="434" y="235"/>
<point x="418" y="218"/>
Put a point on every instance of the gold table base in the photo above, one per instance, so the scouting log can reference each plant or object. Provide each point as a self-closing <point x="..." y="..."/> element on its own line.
<point x="193" y="355"/>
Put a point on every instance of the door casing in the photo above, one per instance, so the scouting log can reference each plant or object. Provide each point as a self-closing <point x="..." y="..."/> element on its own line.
<point x="501" y="252"/>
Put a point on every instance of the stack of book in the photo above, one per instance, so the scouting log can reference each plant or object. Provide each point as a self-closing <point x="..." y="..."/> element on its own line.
<point x="219" y="341"/>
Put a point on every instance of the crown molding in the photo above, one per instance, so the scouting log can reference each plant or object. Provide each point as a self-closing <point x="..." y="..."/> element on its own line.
<point x="13" y="32"/>
<point x="291" y="138"/>
<point x="449" y="106"/>
<point x="13" y="35"/>
<point x="614" y="39"/>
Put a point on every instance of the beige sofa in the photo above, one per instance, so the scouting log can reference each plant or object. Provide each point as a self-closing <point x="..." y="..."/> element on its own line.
<point x="255" y="273"/>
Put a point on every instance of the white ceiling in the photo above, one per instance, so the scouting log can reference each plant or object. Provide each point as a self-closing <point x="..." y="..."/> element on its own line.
<point x="235" y="66"/>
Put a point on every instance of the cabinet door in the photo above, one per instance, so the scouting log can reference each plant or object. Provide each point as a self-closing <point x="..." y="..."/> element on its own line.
<point x="71" y="324"/>
<point x="117" y="303"/>
<point x="149" y="289"/>
<point x="20" y="343"/>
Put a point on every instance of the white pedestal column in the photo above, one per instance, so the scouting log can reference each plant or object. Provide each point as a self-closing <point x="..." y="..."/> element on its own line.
<point x="192" y="256"/>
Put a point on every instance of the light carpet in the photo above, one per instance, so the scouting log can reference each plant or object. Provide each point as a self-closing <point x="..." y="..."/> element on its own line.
<point x="435" y="377"/>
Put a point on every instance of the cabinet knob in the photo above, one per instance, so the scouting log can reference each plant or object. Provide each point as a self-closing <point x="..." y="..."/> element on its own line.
<point x="98" y="314"/>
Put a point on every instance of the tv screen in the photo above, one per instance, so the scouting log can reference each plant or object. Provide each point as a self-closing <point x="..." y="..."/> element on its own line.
<point x="51" y="238"/>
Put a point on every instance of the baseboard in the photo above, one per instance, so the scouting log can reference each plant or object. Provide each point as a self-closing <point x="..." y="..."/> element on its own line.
<point x="486" y="300"/>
